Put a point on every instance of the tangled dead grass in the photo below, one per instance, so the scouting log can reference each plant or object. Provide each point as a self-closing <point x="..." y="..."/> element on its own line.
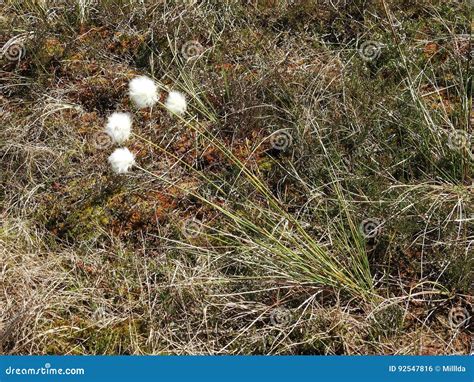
<point x="314" y="200"/>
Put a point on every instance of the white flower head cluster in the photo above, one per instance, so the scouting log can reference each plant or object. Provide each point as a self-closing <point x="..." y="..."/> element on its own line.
<point x="119" y="127"/>
<point x="143" y="92"/>
<point x="121" y="160"/>
<point x="176" y="102"/>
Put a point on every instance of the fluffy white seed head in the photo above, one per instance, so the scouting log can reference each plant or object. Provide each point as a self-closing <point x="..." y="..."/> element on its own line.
<point x="176" y="102"/>
<point x="121" y="160"/>
<point x="143" y="92"/>
<point x="119" y="127"/>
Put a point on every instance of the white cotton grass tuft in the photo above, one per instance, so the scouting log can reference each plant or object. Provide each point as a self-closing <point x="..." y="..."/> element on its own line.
<point x="176" y="102"/>
<point x="119" y="127"/>
<point x="121" y="160"/>
<point x="143" y="92"/>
